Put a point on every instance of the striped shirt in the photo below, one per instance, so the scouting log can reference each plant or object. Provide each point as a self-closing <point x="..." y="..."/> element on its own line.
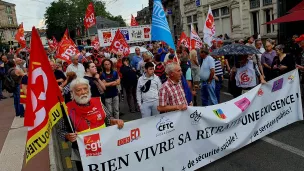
<point x="218" y="68"/>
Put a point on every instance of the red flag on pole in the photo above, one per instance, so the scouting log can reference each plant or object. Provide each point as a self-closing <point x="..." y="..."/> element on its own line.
<point x="55" y="43"/>
<point x="133" y="21"/>
<point x="89" y="19"/>
<point x="119" y="44"/>
<point x="66" y="48"/>
<point x="184" y="40"/>
<point x="20" y="36"/>
<point x="43" y="109"/>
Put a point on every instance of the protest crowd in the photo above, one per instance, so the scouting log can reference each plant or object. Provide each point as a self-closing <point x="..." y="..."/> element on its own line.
<point x="94" y="82"/>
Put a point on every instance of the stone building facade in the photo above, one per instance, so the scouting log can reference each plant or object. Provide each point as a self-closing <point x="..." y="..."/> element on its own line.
<point x="237" y="18"/>
<point x="8" y="22"/>
<point x="144" y="16"/>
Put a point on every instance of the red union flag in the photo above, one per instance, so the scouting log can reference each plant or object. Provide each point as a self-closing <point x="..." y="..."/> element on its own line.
<point x="43" y="109"/>
<point x="184" y="40"/>
<point x="133" y="21"/>
<point x="96" y="43"/>
<point x="66" y="48"/>
<point x="20" y="36"/>
<point x="55" y="43"/>
<point x="196" y="41"/>
<point x="119" y="44"/>
<point x="89" y="19"/>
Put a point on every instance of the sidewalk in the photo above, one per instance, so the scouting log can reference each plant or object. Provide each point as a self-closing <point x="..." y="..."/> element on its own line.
<point x="12" y="142"/>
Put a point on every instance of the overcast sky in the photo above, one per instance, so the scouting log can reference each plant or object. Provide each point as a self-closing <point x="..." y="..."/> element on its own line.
<point x="31" y="12"/>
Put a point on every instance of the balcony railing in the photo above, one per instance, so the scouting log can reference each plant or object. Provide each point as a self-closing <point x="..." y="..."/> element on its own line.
<point x="267" y="2"/>
<point x="254" y="4"/>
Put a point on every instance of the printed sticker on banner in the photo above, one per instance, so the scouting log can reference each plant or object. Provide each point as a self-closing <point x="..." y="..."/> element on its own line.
<point x="196" y="117"/>
<point x="134" y="135"/>
<point x="219" y="113"/>
<point x="147" y="33"/>
<point x="164" y="126"/>
<point x="243" y="104"/>
<point x="277" y="85"/>
<point x="107" y="37"/>
<point x="291" y="79"/>
<point x="260" y="92"/>
<point x="92" y="145"/>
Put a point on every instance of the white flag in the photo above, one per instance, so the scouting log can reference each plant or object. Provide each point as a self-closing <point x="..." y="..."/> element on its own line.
<point x="209" y="28"/>
<point x="196" y="41"/>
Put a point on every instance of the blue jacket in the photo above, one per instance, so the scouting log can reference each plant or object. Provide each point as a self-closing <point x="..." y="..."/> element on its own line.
<point x="187" y="90"/>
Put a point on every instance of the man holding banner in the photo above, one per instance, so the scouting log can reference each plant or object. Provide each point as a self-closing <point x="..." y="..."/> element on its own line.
<point x="85" y="114"/>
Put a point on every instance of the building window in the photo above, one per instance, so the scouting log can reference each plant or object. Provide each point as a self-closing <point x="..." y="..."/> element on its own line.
<point x="268" y="17"/>
<point x="10" y="20"/>
<point x="254" y="4"/>
<point x="195" y="18"/>
<point x="189" y="19"/>
<point x="8" y="9"/>
<point x="267" y="2"/>
<point x="224" y="11"/>
<point x="216" y="13"/>
<point x="13" y="33"/>
<point x="255" y="22"/>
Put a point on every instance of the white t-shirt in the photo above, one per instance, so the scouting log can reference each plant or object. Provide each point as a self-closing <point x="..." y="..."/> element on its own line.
<point x="207" y="64"/>
<point x="79" y="69"/>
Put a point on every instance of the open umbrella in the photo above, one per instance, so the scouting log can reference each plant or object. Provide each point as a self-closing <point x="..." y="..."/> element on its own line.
<point x="235" y="49"/>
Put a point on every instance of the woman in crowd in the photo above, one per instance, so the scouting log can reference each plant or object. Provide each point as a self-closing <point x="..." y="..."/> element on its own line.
<point x="129" y="82"/>
<point x="66" y="89"/>
<point x="147" y="91"/>
<point x="267" y="59"/>
<point x="111" y="79"/>
<point x="282" y="63"/>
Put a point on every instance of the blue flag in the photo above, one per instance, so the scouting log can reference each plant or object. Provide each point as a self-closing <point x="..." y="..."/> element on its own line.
<point x="160" y="29"/>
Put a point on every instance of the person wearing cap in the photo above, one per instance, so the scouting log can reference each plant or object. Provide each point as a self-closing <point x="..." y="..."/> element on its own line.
<point x="76" y="67"/>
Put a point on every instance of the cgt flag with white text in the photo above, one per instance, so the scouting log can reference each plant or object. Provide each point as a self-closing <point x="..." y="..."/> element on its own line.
<point x="196" y="137"/>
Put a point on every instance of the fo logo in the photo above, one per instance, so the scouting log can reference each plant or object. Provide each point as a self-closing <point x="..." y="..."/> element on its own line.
<point x="219" y="113"/>
<point x="92" y="145"/>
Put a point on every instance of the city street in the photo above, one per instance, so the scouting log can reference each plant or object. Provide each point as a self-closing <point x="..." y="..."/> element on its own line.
<point x="282" y="150"/>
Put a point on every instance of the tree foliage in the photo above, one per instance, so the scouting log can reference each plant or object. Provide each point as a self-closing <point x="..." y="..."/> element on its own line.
<point x="70" y="14"/>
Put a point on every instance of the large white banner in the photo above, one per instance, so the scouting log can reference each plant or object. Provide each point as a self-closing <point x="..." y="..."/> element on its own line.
<point x="132" y="34"/>
<point x="196" y="137"/>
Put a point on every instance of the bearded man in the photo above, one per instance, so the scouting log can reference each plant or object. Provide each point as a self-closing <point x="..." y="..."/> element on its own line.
<point x="85" y="114"/>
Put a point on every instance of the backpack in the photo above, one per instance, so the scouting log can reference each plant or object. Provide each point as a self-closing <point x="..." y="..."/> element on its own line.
<point x="9" y="83"/>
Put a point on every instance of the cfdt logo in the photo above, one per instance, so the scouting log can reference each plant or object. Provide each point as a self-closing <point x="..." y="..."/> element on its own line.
<point x="219" y="113"/>
<point x="196" y="117"/>
<point x="164" y="126"/>
<point x="92" y="145"/>
<point x="134" y="135"/>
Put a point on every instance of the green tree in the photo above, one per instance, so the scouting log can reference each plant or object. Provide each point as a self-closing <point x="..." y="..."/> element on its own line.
<point x="70" y="14"/>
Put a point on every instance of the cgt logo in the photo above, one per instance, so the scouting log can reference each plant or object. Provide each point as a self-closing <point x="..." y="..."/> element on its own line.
<point x="134" y="135"/>
<point x="92" y="145"/>
<point x="219" y="113"/>
<point x="164" y="126"/>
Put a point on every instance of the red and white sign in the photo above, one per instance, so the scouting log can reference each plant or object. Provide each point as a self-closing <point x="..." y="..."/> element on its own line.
<point x="196" y="41"/>
<point x="96" y="43"/>
<point x="92" y="145"/>
<point x="209" y="28"/>
<point x="66" y="48"/>
<point x="119" y="44"/>
<point x="133" y="21"/>
<point x="20" y="36"/>
<point x="89" y="19"/>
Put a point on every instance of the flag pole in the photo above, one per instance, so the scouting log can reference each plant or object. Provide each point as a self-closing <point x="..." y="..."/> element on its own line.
<point x="65" y="116"/>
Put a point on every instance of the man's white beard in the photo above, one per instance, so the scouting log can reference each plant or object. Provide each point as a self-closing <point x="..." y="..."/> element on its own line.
<point x="83" y="99"/>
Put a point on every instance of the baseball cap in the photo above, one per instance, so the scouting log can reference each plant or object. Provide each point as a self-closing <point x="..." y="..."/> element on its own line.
<point x="301" y="38"/>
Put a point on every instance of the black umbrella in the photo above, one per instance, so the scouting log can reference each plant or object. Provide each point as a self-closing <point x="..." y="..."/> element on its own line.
<point x="235" y="49"/>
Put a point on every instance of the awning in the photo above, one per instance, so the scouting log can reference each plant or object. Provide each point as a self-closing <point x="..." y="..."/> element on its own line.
<point x="294" y="16"/>
<point x="298" y="7"/>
